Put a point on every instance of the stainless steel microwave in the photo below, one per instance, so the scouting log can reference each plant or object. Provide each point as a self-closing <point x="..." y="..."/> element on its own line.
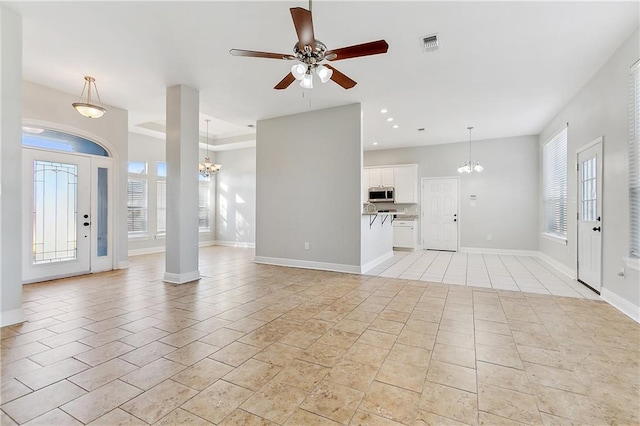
<point x="381" y="195"/>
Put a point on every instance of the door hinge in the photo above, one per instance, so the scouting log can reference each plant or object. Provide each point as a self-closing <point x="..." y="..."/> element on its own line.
<point x="577" y="215"/>
<point x="578" y="167"/>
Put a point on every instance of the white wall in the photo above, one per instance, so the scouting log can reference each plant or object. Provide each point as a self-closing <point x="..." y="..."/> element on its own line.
<point x="236" y="197"/>
<point x="151" y="150"/>
<point x="308" y="188"/>
<point x="45" y="106"/>
<point x="601" y="109"/>
<point x="507" y="204"/>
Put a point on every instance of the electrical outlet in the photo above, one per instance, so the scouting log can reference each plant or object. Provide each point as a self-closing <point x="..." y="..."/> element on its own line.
<point x="306" y="246"/>
<point x="489" y="237"/>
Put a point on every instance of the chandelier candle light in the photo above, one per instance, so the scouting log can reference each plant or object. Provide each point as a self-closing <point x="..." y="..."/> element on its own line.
<point x="207" y="168"/>
<point x="470" y="165"/>
<point x="88" y="109"/>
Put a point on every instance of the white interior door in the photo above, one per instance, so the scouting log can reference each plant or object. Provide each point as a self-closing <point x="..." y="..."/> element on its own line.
<point x="57" y="222"/>
<point x="440" y="214"/>
<point x="590" y="215"/>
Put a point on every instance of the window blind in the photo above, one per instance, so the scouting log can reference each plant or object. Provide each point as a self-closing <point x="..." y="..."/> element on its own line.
<point x="137" y="206"/>
<point x="161" y="225"/>
<point x="554" y="172"/>
<point x="204" y="206"/>
<point x="634" y="159"/>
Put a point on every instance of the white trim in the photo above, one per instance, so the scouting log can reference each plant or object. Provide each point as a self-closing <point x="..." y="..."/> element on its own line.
<point x="14" y="316"/>
<point x="240" y="244"/>
<point x="591" y="144"/>
<point x="308" y="264"/>
<point x="375" y="262"/>
<point x="183" y="278"/>
<point x="623" y="305"/>
<point x="499" y="251"/>
<point x="632" y="263"/>
<point x="123" y="264"/>
<point x="555" y="238"/>
<point x="571" y="273"/>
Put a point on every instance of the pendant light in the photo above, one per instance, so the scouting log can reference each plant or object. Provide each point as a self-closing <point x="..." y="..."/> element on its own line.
<point x="470" y="165"/>
<point x="207" y="168"/>
<point x="88" y="109"/>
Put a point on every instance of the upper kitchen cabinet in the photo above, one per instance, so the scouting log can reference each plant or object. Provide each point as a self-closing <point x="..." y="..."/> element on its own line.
<point x="405" y="180"/>
<point x="381" y="176"/>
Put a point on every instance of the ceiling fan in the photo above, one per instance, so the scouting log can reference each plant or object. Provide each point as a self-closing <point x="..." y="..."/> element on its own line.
<point x="311" y="53"/>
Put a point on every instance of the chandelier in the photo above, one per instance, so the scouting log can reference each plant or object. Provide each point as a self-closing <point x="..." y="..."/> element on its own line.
<point x="470" y="165"/>
<point x="88" y="109"/>
<point x="207" y="168"/>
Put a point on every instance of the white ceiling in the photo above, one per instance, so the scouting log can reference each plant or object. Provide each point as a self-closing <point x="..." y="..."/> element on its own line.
<point x="504" y="67"/>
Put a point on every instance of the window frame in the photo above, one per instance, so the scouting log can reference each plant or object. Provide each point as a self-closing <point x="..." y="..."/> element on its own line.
<point x="634" y="165"/>
<point x="143" y="179"/>
<point x="557" y="184"/>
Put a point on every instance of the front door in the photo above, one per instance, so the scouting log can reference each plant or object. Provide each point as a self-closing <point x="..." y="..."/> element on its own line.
<point x="590" y="215"/>
<point x="440" y="214"/>
<point x="57" y="206"/>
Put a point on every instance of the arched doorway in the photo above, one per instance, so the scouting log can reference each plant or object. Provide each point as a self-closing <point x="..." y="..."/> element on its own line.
<point x="67" y="186"/>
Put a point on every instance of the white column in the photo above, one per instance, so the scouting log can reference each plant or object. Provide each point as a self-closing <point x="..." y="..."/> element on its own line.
<point x="10" y="167"/>
<point x="182" y="185"/>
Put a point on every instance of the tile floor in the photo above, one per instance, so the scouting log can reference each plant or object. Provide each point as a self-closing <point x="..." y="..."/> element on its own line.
<point x="261" y="345"/>
<point x="503" y="272"/>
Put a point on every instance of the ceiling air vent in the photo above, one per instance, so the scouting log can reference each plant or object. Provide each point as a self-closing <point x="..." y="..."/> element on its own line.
<point x="430" y="42"/>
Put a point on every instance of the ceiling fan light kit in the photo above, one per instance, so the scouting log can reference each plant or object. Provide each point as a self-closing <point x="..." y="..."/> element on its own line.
<point x="310" y="53"/>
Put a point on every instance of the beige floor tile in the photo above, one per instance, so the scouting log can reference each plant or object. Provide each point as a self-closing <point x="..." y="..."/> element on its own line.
<point x="366" y="354"/>
<point x="424" y="418"/>
<point x="578" y="408"/>
<point x="352" y="374"/>
<point x="301" y="338"/>
<point x="147" y="354"/>
<point x="391" y="315"/>
<point x="462" y="340"/>
<point x="507" y="357"/>
<point x="54" y="373"/>
<point x="534" y="339"/>
<point x="410" y="355"/>
<point x="489" y="419"/>
<point x="253" y="374"/>
<point x="241" y="417"/>
<point x="333" y="401"/>
<point x="100" y="401"/>
<point x="183" y="337"/>
<point x="217" y="401"/>
<point x="103" y="337"/>
<point x="202" y="374"/>
<point x="276" y="401"/>
<point x="448" y="402"/>
<point x="12" y="389"/>
<point x="417" y="339"/>
<point x="5" y="420"/>
<point x="402" y="375"/>
<point x="454" y="355"/>
<point x="279" y="354"/>
<point x="9" y="355"/>
<point x="18" y="368"/>
<point x="104" y="353"/>
<point x="245" y="325"/>
<point x="351" y="326"/>
<point x="191" y="353"/>
<point x="182" y="417"/>
<point x="369" y="419"/>
<point x="324" y="355"/>
<point x="452" y="375"/>
<point x="118" y="417"/>
<point x="302" y="375"/>
<point x="386" y="326"/>
<point x="153" y="373"/>
<point x="546" y="357"/>
<point x="492" y="327"/>
<point x="556" y="378"/>
<point x="235" y="353"/>
<point x="506" y="377"/>
<point x="509" y="404"/>
<point x="391" y="402"/>
<point x="144" y="337"/>
<point x="39" y="402"/>
<point x="60" y="353"/>
<point x="55" y="417"/>
<point x="157" y="402"/>
<point x="378" y="339"/>
<point x="102" y="374"/>
<point x="303" y="417"/>
<point x="495" y="339"/>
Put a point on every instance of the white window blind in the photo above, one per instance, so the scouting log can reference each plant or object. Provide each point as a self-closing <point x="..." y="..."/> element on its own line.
<point x="634" y="159"/>
<point x="204" y="206"/>
<point x="137" y="206"/>
<point x="554" y="172"/>
<point x="161" y="215"/>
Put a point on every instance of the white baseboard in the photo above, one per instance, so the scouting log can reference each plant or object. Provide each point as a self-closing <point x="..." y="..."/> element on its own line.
<point x="185" y="277"/>
<point x="14" y="316"/>
<point x="235" y="244"/>
<point x="375" y="262"/>
<point x="506" y="252"/>
<point x="571" y="273"/>
<point x="623" y="305"/>
<point x="308" y="264"/>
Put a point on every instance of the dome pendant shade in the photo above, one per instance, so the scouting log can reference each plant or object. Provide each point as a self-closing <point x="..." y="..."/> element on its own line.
<point x="86" y="108"/>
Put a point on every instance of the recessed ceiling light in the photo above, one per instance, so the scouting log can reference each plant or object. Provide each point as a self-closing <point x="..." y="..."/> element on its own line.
<point x="383" y="111"/>
<point x="390" y="119"/>
<point x="375" y="143"/>
<point x="395" y="126"/>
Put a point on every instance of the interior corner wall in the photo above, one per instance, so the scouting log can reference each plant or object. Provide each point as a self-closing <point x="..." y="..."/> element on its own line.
<point x="151" y="150"/>
<point x="308" y="173"/>
<point x="46" y="106"/>
<point x="236" y="197"/>
<point x="601" y="108"/>
<point x="506" y="207"/>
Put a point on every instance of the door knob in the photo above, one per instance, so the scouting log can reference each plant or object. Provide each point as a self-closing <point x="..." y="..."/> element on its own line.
<point x="596" y="229"/>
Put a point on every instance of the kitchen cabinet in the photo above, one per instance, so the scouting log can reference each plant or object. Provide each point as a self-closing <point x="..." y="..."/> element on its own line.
<point x="365" y="185"/>
<point x="405" y="182"/>
<point x="405" y="234"/>
<point x="381" y="176"/>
